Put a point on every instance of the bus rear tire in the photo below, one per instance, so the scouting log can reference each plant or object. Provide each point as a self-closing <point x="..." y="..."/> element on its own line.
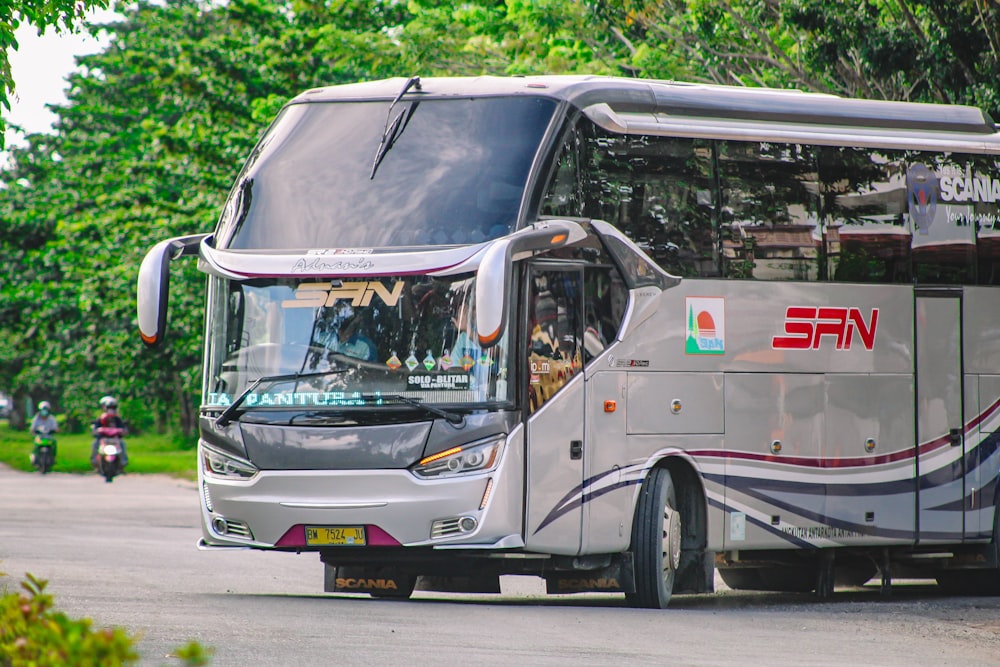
<point x="656" y="542"/>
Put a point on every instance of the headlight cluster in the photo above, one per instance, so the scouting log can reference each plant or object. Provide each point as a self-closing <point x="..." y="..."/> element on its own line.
<point x="217" y="464"/>
<point x="475" y="457"/>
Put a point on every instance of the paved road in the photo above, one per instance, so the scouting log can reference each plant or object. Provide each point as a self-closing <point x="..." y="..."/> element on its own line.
<point x="124" y="554"/>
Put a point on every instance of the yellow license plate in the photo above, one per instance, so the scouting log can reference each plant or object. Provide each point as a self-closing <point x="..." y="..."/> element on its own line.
<point x="332" y="536"/>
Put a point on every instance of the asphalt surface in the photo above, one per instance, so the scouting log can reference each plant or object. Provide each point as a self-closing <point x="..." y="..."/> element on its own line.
<point x="124" y="554"/>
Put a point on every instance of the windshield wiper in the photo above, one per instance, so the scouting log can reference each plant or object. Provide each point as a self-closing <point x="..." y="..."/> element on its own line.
<point x="451" y="417"/>
<point x="234" y="410"/>
<point x="392" y="129"/>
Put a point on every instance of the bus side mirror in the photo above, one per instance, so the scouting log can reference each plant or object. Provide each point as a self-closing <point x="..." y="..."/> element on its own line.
<point x="493" y="275"/>
<point x="154" y="284"/>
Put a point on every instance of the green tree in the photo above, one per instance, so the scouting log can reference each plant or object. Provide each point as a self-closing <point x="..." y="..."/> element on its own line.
<point x="157" y="125"/>
<point x="58" y="14"/>
<point x="154" y="131"/>
<point x="910" y="50"/>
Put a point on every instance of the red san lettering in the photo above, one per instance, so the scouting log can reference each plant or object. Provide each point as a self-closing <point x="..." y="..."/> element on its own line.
<point x="799" y="327"/>
<point x="831" y="322"/>
<point x="867" y="335"/>
<point x="807" y="327"/>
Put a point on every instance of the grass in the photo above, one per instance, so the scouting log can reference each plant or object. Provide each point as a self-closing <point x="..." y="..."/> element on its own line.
<point x="147" y="454"/>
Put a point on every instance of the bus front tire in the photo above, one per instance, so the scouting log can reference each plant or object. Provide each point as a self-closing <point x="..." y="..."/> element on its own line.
<point x="656" y="542"/>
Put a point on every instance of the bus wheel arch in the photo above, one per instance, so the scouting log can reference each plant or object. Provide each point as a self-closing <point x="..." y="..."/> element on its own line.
<point x="669" y="536"/>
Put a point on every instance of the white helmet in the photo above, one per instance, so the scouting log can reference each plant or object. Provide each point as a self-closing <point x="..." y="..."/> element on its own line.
<point x="44" y="405"/>
<point x="109" y="402"/>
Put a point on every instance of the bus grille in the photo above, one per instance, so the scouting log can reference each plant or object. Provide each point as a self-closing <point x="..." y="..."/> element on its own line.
<point x="445" y="528"/>
<point x="238" y="529"/>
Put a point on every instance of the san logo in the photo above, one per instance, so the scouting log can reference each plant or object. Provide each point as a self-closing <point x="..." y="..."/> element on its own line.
<point x="806" y="327"/>
<point x="318" y="295"/>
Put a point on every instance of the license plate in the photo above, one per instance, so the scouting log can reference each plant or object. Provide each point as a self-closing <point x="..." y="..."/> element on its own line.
<point x="329" y="536"/>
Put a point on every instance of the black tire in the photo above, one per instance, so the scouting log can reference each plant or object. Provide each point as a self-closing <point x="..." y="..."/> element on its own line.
<point x="45" y="461"/>
<point x="656" y="542"/>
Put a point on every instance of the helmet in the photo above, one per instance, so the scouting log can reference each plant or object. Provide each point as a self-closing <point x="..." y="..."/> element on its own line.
<point x="109" y="403"/>
<point x="44" y="406"/>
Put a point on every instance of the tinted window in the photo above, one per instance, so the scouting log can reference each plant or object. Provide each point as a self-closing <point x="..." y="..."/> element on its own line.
<point x="605" y="294"/>
<point x="657" y="190"/>
<point x="777" y="211"/>
<point x="554" y="332"/>
<point x="911" y="216"/>
<point x="867" y="231"/>
<point x="770" y="211"/>
<point x="984" y="213"/>
<point x="454" y="173"/>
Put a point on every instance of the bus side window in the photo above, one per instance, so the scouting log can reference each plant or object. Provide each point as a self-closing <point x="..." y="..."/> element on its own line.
<point x="657" y="190"/>
<point x="554" y="333"/>
<point x="866" y="233"/>
<point x="605" y="299"/>
<point x="770" y="220"/>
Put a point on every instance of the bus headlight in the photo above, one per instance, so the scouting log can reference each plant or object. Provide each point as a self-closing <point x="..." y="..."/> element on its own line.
<point x="217" y="464"/>
<point x="474" y="457"/>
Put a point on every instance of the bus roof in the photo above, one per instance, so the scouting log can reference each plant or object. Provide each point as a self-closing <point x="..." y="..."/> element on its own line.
<point x="678" y="100"/>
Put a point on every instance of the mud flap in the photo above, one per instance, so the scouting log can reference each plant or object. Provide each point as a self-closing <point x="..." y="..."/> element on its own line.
<point x="375" y="581"/>
<point x="618" y="577"/>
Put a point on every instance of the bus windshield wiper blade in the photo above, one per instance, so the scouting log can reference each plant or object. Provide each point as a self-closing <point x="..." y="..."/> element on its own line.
<point x="392" y="128"/>
<point x="234" y="409"/>
<point x="451" y="417"/>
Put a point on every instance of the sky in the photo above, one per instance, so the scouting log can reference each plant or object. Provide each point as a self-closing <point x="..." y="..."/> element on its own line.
<point x="40" y="66"/>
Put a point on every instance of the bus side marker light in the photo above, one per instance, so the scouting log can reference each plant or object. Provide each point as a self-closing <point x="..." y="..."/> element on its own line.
<point x="486" y="494"/>
<point x="675" y="406"/>
<point x="870" y="445"/>
<point x="610" y="406"/>
<point x="776" y="446"/>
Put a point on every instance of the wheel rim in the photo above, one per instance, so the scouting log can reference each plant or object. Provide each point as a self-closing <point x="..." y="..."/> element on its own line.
<point x="671" y="541"/>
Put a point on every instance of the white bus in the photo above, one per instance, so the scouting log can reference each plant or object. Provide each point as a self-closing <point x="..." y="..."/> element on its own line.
<point x="615" y="333"/>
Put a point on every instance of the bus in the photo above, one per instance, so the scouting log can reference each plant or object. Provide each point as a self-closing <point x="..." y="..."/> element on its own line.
<point x="618" y="334"/>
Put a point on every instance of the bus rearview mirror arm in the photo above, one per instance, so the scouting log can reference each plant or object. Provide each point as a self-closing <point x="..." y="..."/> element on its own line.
<point x="493" y="276"/>
<point x="154" y="284"/>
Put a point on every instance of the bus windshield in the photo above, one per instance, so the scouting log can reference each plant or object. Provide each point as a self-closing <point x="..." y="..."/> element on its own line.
<point x="350" y="343"/>
<point x="337" y="175"/>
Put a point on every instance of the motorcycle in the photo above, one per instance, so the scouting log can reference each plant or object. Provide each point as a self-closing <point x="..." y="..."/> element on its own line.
<point x="44" y="455"/>
<point x="109" y="452"/>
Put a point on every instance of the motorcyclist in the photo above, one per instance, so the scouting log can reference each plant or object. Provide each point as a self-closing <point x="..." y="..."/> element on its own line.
<point x="109" y="419"/>
<point x="44" y="424"/>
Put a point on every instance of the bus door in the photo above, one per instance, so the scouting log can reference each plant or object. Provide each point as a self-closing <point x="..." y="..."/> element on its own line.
<point x="939" y="414"/>
<point x="554" y="407"/>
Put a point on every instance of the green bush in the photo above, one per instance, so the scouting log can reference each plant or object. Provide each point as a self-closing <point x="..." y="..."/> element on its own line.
<point x="33" y="633"/>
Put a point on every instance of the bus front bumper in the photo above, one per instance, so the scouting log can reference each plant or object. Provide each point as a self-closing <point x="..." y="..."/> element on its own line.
<point x="284" y="509"/>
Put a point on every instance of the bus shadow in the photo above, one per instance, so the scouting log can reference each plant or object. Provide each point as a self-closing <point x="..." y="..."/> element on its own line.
<point x="721" y="600"/>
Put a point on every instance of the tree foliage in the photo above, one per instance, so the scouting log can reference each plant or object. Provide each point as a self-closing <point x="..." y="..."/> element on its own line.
<point x="157" y="124"/>
<point x="58" y="14"/>
<point x="154" y="131"/>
